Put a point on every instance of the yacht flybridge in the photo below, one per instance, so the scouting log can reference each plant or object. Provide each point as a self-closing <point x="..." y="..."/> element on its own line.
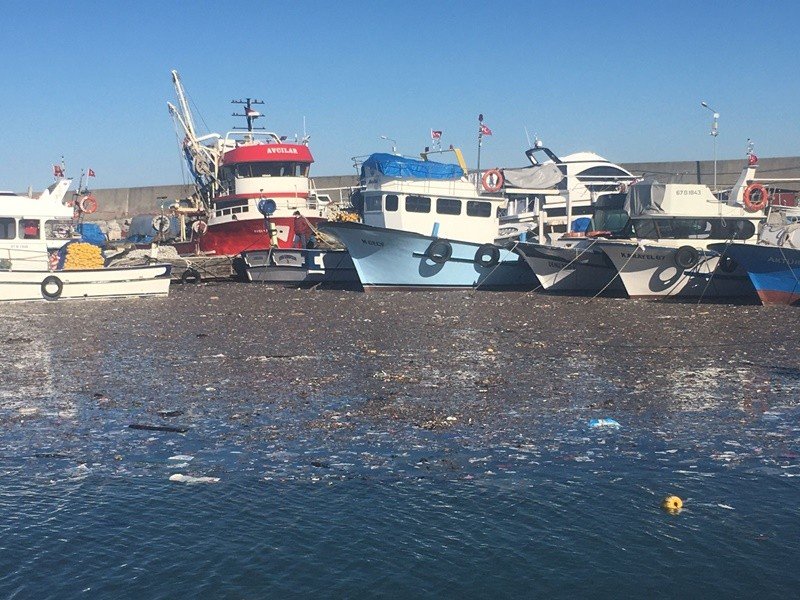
<point x="545" y="196"/>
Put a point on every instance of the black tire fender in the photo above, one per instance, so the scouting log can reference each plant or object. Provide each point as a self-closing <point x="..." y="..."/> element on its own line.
<point x="488" y="255"/>
<point x="686" y="257"/>
<point x="439" y="251"/>
<point x="47" y="282"/>
<point x="191" y="276"/>
<point x="727" y="264"/>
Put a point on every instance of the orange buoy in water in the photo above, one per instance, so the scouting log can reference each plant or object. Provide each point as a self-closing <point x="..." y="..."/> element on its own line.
<point x="672" y="504"/>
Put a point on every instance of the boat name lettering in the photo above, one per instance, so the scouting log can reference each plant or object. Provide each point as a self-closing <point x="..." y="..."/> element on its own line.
<point x="688" y="193"/>
<point x="781" y="261"/>
<point x="372" y="243"/>
<point x="642" y="256"/>
<point x="281" y="150"/>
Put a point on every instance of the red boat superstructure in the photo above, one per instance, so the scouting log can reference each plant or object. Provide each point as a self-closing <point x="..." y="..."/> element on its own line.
<point x="253" y="188"/>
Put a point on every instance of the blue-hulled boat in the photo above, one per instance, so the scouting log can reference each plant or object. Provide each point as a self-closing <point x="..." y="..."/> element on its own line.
<point x="773" y="264"/>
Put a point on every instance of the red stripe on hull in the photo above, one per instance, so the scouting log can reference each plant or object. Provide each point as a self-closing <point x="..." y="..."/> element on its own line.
<point x="776" y="297"/>
<point x="234" y="237"/>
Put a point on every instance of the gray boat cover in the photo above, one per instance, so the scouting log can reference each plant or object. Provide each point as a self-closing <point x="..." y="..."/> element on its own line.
<point x="538" y="177"/>
<point x="645" y="198"/>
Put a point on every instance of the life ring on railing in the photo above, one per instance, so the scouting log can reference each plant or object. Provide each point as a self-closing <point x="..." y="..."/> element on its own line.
<point x="199" y="227"/>
<point x="161" y="224"/>
<point x="492" y="180"/>
<point x="47" y="283"/>
<point x="439" y="251"/>
<point x="488" y="255"/>
<point x="87" y="204"/>
<point x="686" y="257"/>
<point x="754" y="205"/>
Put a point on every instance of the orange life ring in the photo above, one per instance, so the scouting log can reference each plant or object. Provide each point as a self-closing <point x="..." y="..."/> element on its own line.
<point x="87" y="204"/>
<point x="751" y="204"/>
<point x="492" y="180"/>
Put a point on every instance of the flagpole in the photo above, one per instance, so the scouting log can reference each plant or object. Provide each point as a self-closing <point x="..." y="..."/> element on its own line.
<point x="480" y="143"/>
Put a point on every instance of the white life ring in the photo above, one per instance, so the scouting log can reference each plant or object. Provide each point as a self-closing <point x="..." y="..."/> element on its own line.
<point x="161" y="224"/>
<point x="199" y="227"/>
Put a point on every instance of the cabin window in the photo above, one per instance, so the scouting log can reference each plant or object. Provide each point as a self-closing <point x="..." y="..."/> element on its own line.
<point x="57" y="230"/>
<point x="29" y="229"/>
<point x="418" y="204"/>
<point x="8" y="229"/>
<point x="709" y="228"/>
<point x="391" y="202"/>
<point x="475" y="208"/>
<point x="372" y="203"/>
<point x="448" y="206"/>
<point x="271" y="169"/>
<point x="604" y="172"/>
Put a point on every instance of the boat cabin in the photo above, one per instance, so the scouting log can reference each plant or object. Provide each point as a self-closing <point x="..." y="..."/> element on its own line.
<point x="31" y="227"/>
<point x="686" y="211"/>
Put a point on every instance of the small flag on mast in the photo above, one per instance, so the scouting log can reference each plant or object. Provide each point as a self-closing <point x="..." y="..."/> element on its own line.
<point x="58" y="171"/>
<point x="485" y="130"/>
<point x="436" y="135"/>
<point x="91" y="173"/>
<point x="249" y="112"/>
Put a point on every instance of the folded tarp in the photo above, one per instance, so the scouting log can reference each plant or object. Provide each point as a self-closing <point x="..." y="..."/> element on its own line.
<point x="392" y="165"/>
<point x="536" y="177"/>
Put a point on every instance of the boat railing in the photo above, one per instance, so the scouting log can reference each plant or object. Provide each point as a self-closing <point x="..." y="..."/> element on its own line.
<point x="20" y="259"/>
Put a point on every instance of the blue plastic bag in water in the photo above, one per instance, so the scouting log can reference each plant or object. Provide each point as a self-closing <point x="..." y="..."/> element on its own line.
<point x="610" y="423"/>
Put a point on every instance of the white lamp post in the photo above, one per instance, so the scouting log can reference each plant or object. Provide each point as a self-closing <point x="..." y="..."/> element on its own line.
<point x="714" y="134"/>
<point x="394" y="143"/>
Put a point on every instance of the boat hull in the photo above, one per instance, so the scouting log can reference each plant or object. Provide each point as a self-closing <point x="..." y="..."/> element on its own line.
<point x="650" y="271"/>
<point x="773" y="270"/>
<point x="114" y="282"/>
<point x="294" y="267"/>
<point x="393" y="259"/>
<point x="579" y="269"/>
<point x="234" y="237"/>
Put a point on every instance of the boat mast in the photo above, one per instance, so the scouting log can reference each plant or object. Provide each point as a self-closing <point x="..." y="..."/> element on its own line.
<point x="203" y="160"/>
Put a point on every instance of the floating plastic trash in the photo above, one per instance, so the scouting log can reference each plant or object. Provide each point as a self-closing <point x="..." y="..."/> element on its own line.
<point x="180" y="478"/>
<point x="604" y="423"/>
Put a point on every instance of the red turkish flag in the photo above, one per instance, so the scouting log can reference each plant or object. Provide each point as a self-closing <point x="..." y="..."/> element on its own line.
<point x="485" y="130"/>
<point x="91" y="173"/>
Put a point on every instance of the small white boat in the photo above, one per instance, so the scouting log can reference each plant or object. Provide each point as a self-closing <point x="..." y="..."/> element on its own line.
<point x="34" y="231"/>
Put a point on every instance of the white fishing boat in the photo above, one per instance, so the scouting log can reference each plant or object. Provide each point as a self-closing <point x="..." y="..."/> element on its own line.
<point x="36" y="234"/>
<point x="427" y="226"/>
<point x="672" y="227"/>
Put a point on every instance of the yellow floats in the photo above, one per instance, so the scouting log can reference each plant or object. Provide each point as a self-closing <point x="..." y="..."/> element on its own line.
<point x="672" y="504"/>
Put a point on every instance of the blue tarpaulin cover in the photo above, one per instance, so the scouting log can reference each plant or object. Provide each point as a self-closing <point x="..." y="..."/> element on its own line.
<point x="90" y="232"/>
<point x="392" y="165"/>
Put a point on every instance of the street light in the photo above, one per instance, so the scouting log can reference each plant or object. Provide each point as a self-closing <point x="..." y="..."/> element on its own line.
<point x="394" y="143"/>
<point x="714" y="133"/>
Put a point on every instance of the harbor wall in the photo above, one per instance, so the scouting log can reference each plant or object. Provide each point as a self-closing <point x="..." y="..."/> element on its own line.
<point x="122" y="203"/>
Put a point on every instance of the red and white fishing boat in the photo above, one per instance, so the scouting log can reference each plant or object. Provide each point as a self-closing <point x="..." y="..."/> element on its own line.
<point x="253" y="187"/>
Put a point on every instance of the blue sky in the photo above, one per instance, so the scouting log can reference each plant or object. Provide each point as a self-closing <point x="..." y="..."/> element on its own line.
<point x="90" y="80"/>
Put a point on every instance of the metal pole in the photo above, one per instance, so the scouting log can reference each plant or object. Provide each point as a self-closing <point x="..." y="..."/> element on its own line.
<point x="480" y="141"/>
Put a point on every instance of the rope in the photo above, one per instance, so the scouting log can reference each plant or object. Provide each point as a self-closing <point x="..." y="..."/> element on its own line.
<point x="499" y="262"/>
<point x="639" y="246"/>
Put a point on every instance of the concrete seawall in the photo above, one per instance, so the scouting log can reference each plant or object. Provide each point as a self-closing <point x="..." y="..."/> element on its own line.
<point x="121" y="203"/>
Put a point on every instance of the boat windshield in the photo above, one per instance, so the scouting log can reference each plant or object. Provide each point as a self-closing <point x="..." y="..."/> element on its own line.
<point x="267" y="169"/>
<point x="703" y="228"/>
<point x="610" y="215"/>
